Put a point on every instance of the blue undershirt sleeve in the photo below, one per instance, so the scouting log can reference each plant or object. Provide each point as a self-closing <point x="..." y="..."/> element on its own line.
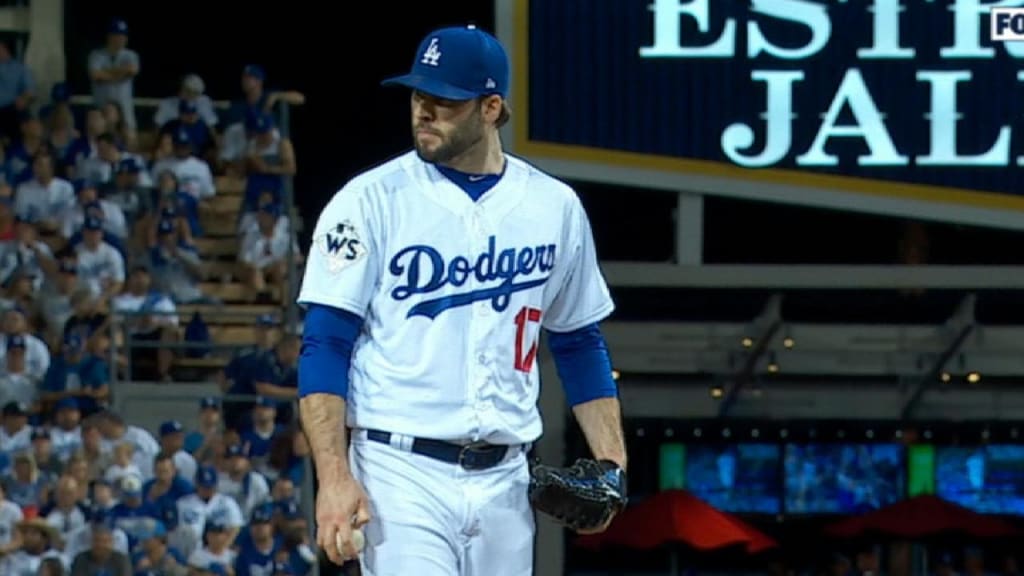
<point x="583" y="364"/>
<point x="328" y="336"/>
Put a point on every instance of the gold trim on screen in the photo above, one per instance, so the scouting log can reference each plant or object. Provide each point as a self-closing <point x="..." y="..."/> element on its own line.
<point x="887" y="188"/>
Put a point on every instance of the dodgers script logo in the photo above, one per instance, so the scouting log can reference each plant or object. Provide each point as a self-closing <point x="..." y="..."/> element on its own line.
<point x="423" y="271"/>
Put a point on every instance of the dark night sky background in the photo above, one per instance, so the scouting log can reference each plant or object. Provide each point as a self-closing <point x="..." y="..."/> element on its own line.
<point x="351" y="123"/>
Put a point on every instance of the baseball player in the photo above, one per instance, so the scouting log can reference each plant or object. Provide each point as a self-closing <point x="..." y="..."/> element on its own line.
<point x="428" y="283"/>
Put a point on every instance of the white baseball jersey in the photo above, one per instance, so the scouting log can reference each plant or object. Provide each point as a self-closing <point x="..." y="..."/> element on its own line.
<point x="195" y="512"/>
<point x="454" y="293"/>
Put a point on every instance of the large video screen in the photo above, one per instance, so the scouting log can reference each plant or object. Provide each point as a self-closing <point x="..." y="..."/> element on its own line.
<point x="842" y="478"/>
<point x="988" y="479"/>
<point x="741" y="478"/>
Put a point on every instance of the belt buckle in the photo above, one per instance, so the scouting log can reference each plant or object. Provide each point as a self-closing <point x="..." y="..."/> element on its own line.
<point x="470" y="451"/>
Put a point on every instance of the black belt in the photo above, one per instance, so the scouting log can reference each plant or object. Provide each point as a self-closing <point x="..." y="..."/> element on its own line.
<point x="469" y="456"/>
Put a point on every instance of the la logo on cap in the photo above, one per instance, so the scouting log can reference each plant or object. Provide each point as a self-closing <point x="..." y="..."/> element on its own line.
<point x="432" y="54"/>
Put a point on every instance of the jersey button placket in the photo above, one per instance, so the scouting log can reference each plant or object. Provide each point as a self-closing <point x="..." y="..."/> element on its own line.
<point x="481" y="311"/>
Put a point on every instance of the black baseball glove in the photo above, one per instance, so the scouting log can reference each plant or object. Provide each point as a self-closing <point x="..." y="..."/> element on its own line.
<point x="583" y="497"/>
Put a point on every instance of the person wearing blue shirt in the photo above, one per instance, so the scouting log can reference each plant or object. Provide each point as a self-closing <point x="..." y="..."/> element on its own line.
<point x="167" y="485"/>
<point x="132" y="514"/>
<point x="209" y="427"/>
<point x="260" y="436"/>
<point x="276" y="376"/>
<point x="258" y="546"/>
<point x="77" y="374"/>
<point x="156" y="555"/>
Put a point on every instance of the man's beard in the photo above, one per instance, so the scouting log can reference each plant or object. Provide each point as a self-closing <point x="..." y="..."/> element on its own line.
<point x="458" y="142"/>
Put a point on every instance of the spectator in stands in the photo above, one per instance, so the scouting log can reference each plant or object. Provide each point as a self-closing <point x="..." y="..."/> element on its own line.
<point x="27" y="253"/>
<point x="89" y="203"/>
<point x="200" y="134"/>
<point x="239" y="481"/>
<point x="99" y="520"/>
<point x="88" y="318"/>
<point x="172" y="441"/>
<point x="43" y="197"/>
<point x="103" y="500"/>
<point x="113" y="69"/>
<point x="115" y="430"/>
<point x="287" y="457"/>
<point x="256" y="99"/>
<point x="270" y="157"/>
<point x="17" y="91"/>
<point x="7" y="225"/>
<point x="126" y="137"/>
<point x="284" y="490"/>
<point x="15" y="433"/>
<point x="92" y="458"/>
<point x="217" y="550"/>
<point x="101" y="169"/>
<point x="101" y="557"/>
<point x="168" y="483"/>
<point x="66" y="514"/>
<point x="259" y="546"/>
<point x="177" y="266"/>
<point x="149" y="317"/>
<point x="21" y="154"/>
<point x="276" y="375"/>
<point x="122" y="465"/>
<point x="264" y="256"/>
<point x="59" y="124"/>
<point x="100" y="265"/>
<point x="200" y="441"/>
<point x="77" y="374"/>
<point x="295" y="549"/>
<point x="47" y="460"/>
<point x="249" y="221"/>
<point x="207" y="506"/>
<point x="86" y="147"/>
<point x="19" y="291"/>
<point x="16" y="385"/>
<point x="192" y="90"/>
<point x="180" y="537"/>
<point x="66" y="433"/>
<point x="38" y="541"/>
<point x="131" y="191"/>
<point x="194" y="175"/>
<point x="10" y="516"/>
<point x="133" y="514"/>
<point x="26" y="487"/>
<point x="156" y="555"/>
<point x="260" y="435"/>
<point x="37" y="355"/>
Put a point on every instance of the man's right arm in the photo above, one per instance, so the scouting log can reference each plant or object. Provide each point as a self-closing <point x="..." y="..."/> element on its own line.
<point x="329" y="335"/>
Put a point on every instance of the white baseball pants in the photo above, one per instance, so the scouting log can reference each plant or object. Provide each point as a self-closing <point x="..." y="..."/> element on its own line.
<point x="432" y="518"/>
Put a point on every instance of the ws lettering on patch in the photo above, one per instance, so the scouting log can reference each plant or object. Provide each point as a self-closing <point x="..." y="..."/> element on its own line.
<point x="422" y="269"/>
<point x="341" y="246"/>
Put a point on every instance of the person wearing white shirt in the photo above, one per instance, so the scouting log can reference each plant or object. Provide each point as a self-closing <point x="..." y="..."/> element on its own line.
<point x="43" y="197"/>
<point x="192" y="89"/>
<point x="15" y="433"/>
<point x="66" y="435"/>
<point x="208" y="505"/>
<point x="264" y="253"/>
<point x="89" y="203"/>
<point x="217" y="550"/>
<point x="248" y="487"/>
<point x="100" y="265"/>
<point x="16" y="384"/>
<point x="39" y="541"/>
<point x="10" y="515"/>
<point x="66" y="515"/>
<point x="37" y="354"/>
<point x="112" y="70"/>
<point x="194" y="175"/>
<point x="102" y="168"/>
<point x="115" y="431"/>
<point x="26" y="253"/>
<point x="172" y="441"/>
<point x="148" y="316"/>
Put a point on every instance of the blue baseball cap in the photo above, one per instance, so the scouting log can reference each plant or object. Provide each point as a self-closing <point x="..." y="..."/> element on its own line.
<point x="241" y="450"/>
<point x="60" y="92"/>
<point x="262" y="514"/>
<point x="171" y="427"/>
<point x="206" y="477"/>
<point x="458" y="63"/>
<point x="93" y="223"/>
<point x="209" y="402"/>
<point x="118" y="26"/>
<point x="15" y="341"/>
<point x="67" y="404"/>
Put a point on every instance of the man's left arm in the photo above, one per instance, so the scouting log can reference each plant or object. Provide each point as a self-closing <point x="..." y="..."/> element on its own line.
<point x="584" y="368"/>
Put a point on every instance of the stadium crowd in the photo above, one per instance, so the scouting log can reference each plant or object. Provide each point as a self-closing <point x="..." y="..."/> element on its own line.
<point x="99" y="213"/>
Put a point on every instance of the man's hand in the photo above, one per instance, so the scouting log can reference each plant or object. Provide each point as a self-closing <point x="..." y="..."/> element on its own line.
<point x="341" y="505"/>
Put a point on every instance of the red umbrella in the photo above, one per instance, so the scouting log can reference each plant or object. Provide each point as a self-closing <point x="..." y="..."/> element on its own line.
<point x="922" y="516"/>
<point x="676" y="516"/>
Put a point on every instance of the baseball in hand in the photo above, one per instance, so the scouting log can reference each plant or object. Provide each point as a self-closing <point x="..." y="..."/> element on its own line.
<point x="358" y="541"/>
